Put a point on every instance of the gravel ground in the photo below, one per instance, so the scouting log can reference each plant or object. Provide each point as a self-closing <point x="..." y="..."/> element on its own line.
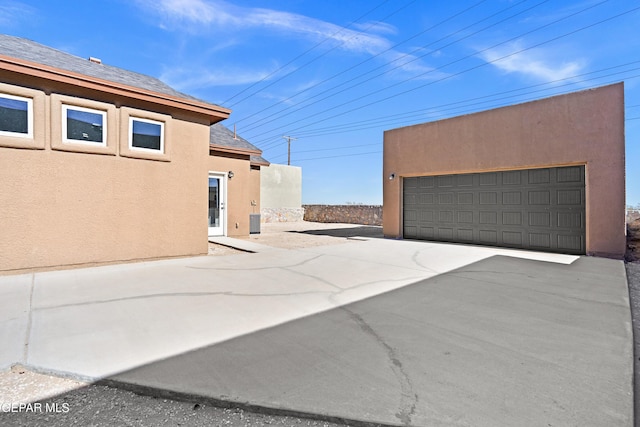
<point x="633" y="278"/>
<point x="58" y="402"/>
<point x="95" y="405"/>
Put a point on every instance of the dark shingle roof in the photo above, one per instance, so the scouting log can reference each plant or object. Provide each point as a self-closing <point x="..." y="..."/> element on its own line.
<point x="28" y="50"/>
<point x="220" y="136"/>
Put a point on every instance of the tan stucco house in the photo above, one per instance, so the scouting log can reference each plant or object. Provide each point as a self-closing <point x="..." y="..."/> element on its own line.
<point x="101" y="165"/>
<point x="546" y="175"/>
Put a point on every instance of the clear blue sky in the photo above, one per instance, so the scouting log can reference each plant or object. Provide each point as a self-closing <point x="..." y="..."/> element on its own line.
<point x="336" y="74"/>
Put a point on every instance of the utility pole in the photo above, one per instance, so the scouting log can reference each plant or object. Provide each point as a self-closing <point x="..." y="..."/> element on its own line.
<point x="289" y="138"/>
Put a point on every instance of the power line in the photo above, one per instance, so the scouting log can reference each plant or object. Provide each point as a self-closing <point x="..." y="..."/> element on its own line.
<point x="342" y="155"/>
<point x="378" y="120"/>
<point x="469" y="69"/>
<point x="256" y="124"/>
<point x="441" y="67"/>
<point x="298" y="57"/>
<point x="361" y="63"/>
<point x="330" y="149"/>
<point x="317" y="57"/>
<point x="467" y="111"/>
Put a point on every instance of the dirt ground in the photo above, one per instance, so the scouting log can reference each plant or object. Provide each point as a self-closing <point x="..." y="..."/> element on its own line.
<point x="633" y="241"/>
<point x="303" y="234"/>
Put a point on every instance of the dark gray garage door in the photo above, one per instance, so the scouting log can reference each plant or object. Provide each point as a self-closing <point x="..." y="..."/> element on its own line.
<point x="538" y="209"/>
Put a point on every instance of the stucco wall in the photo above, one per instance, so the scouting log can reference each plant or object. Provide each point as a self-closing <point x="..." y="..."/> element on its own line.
<point x="281" y="193"/>
<point x="584" y="127"/>
<point x="60" y="208"/>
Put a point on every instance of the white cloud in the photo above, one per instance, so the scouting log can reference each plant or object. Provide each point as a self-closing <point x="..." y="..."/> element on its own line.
<point x="376" y="26"/>
<point x="537" y="63"/>
<point x="203" y="17"/>
<point x="223" y="15"/>
<point x="12" y="13"/>
<point x="185" y="79"/>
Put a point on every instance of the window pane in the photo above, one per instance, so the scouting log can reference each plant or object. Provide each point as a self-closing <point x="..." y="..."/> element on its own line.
<point x="84" y="125"/>
<point x="214" y="203"/>
<point x="146" y="135"/>
<point x="14" y="115"/>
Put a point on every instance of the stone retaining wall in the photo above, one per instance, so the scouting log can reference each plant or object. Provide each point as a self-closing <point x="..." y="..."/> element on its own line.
<point x="348" y="214"/>
<point x="268" y="215"/>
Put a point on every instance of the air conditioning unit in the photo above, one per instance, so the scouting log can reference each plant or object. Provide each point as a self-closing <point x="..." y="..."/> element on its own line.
<point x="254" y="223"/>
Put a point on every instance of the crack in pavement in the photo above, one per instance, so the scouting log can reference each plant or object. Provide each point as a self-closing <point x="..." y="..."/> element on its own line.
<point x="244" y="268"/>
<point x="409" y="398"/>
<point x="176" y="294"/>
<point x="414" y="259"/>
<point x="27" y="337"/>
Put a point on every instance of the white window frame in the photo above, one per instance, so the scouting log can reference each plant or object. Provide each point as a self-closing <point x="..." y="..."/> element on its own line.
<point x="29" y="101"/>
<point x="146" y="150"/>
<point x="65" y="109"/>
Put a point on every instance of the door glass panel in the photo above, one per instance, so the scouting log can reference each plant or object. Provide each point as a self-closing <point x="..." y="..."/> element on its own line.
<point x="214" y="202"/>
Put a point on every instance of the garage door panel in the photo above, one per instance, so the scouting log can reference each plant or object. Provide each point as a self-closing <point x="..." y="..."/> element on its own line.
<point x="511" y="218"/>
<point x="488" y="198"/>
<point x="540" y="240"/>
<point x="539" y="176"/>
<point x="512" y="198"/>
<point x="465" y="180"/>
<point x="446" y="181"/>
<point x="512" y="178"/>
<point x="465" y="234"/>
<point x="539" y="198"/>
<point x="427" y="199"/>
<point x="570" y="243"/>
<point x="569" y="197"/>
<point x="540" y="219"/>
<point x="425" y="182"/>
<point x="488" y="237"/>
<point x="488" y="179"/>
<point x="465" y="217"/>
<point x="446" y="199"/>
<point x="488" y="218"/>
<point x="570" y="220"/>
<point x="446" y="217"/>
<point x="541" y="209"/>
<point x="427" y="233"/>
<point x="465" y="198"/>
<point x="570" y="174"/>
<point x="512" y="238"/>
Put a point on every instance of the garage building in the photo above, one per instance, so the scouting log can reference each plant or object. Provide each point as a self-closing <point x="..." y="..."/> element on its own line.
<point x="545" y="175"/>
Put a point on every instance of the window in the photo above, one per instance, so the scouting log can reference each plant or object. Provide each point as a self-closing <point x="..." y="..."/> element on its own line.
<point x="145" y="134"/>
<point x="16" y="116"/>
<point x="84" y="125"/>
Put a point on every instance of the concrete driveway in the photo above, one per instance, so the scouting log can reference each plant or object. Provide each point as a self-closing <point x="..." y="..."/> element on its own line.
<point x="382" y="331"/>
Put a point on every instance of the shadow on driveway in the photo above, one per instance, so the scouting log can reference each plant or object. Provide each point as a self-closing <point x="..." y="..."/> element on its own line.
<point x="502" y="341"/>
<point x="368" y="231"/>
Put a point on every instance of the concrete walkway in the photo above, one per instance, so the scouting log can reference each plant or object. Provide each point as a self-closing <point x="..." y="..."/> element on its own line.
<point x="240" y="244"/>
<point x="382" y="331"/>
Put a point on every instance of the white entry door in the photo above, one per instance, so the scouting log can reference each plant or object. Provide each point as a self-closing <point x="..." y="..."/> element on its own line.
<point x="217" y="199"/>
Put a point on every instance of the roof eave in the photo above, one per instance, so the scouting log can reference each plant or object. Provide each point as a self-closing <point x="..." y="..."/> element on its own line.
<point x="260" y="163"/>
<point x="234" y="150"/>
<point x="215" y="113"/>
